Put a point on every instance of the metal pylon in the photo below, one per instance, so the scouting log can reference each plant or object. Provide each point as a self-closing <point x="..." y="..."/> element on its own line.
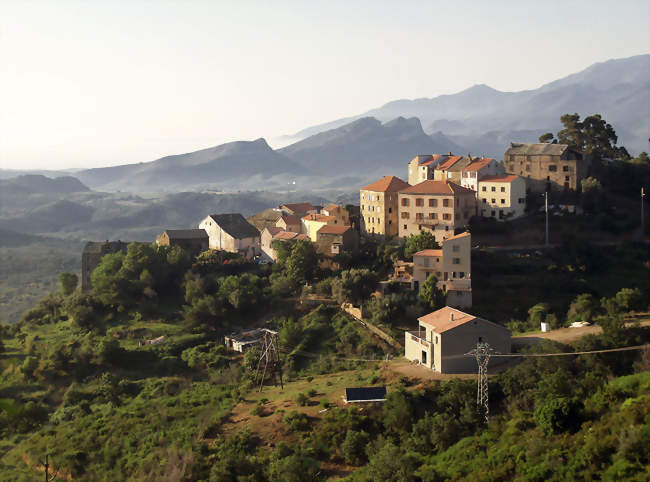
<point x="482" y="352"/>
<point x="269" y="361"/>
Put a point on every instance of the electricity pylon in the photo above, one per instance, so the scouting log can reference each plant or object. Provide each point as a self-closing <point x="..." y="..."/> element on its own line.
<point x="482" y="352"/>
<point x="270" y="358"/>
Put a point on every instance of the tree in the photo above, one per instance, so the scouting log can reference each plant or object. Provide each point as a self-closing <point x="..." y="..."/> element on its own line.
<point x="430" y="295"/>
<point x="559" y="414"/>
<point x="593" y="135"/>
<point x="642" y="159"/>
<point x="629" y="299"/>
<point x="68" y="283"/>
<point x="583" y="308"/>
<point x="302" y="262"/>
<point x="242" y="292"/>
<point x="354" y="285"/>
<point x="548" y="138"/>
<point x="418" y="242"/>
<point x="538" y="313"/>
<point x="593" y="196"/>
<point x="354" y="445"/>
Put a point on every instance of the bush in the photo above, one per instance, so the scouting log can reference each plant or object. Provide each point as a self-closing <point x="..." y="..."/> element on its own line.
<point x="302" y="399"/>
<point x="558" y="415"/>
<point x="297" y="422"/>
<point x="325" y="403"/>
<point x="354" y="446"/>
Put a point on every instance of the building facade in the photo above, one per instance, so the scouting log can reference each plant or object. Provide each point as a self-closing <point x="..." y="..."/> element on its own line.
<point x="194" y="241"/>
<point x="436" y="206"/>
<point x="289" y="222"/>
<point x="477" y="170"/>
<point x="502" y="197"/>
<point x="445" y="336"/>
<point x="379" y="207"/>
<point x="451" y="265"/>
<point x="450" y="170"/>
<point x="333" y="239"/>
<point x="547" y="167"/>
<point x="232" y="233"/>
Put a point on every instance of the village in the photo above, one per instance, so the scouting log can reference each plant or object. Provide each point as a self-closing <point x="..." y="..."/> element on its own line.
<point x="443" y="192"/>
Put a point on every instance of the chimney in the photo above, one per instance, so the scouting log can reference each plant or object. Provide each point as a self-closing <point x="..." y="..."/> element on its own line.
<point x="451" y="316"/>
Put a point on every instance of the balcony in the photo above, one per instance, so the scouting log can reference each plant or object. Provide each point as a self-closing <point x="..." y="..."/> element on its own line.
<point x="416" y="337"/>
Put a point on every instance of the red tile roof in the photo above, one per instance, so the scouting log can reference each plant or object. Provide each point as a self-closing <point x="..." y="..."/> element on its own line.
<point x="506" y="178"/>
<point x="290" y="235"/>
<point x="386" y="184"/>
<point x="318" y="217"/>
<point x="429" y="252"/>
<point x="451" y="160"/>
<point x="477" y="164"/>
<point x="448" y="318"/>
<point x="289" y="219"/>
<point x="436" y="187"/>
<point x="333" y="229"/>
<point x="273" y="230"/>
<point x="457" y="236"/>
<point x="299" y="207"/>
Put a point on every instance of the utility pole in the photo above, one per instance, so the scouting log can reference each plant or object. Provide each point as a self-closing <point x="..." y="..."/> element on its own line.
<point x="642" y="214"/>
<point x="47" y="470"/>
<point x="546" y="204"/>
<point x="482" y="352"/>
<point x="270" y="358"/>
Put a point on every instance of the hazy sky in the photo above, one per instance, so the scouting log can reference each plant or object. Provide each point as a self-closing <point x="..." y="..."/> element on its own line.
<point x="108" y="82"/>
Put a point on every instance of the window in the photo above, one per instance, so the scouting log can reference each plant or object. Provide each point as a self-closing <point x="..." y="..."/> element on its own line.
<point x="433" y="203"/>
<point x="494" y="189"/>
<point x="493" y="213"/>
<point x="405" y="215"/>
<point x="455" y="248"/>
<point x="433" y="216"/>
<point x="419" y="216"/>
<point x="405" y="202"/>
<point x="390" y="221"/>
<point x="565" y="168"/>
<point x="484" y="189"/>
<point x="455" y="261"/>
<point x="494" y="201"/>
<point x="484" y="200"/>
<point x="503" y="201"/>
<point x="461" y="274"/>
<point x="419" y="202"/>
<point x="446" y="216"/>
<point x="405" y="226"/>
<point x="522" y="200"/>
<point x="426" y="262"/>
<point x="500" y="213"/>
<point x="362" y="207"/>
<point x="503" y="189"/>
<point x="445" y="203"/>
<point x="390" y="210"/>
<point x="552" y="167"/>
<point x="528" y="167"/>
<point x="566" y="178"/>
<point x="363" y="196"/>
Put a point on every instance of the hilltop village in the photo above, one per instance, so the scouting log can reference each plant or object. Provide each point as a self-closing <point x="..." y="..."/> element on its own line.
<point x="443" y="192"/>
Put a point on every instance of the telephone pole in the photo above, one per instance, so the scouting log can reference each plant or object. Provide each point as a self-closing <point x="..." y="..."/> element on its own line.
<point x="642" y="214"/>
<point x="546" y="204"/>
<point x="47" y="470"/>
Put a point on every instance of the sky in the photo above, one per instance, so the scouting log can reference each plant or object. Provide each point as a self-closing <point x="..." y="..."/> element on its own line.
<point x="99" y="83"/>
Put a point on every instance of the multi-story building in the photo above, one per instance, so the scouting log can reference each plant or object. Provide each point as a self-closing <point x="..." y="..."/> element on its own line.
<point x="451" y="265"/>
<point x="333" y="239"/>
<point x="231" y="232"/>
<point x="340" y="214"/>
<point x="478" y="169"/>
<point x="547" y="166"/>
<point x="450" y="169"/>
<point x="379" y="206"/>
<point x="444" y="336"/>
<point x="313" y="222"/>
<point x="436" y="206"/>
<point x="501" y="197"/>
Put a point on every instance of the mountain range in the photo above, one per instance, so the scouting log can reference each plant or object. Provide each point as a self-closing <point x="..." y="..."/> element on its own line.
<point x="346" y="152"/>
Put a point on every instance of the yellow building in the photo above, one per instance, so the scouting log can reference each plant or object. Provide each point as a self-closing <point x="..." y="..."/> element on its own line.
<point x="451" y="265"/>
<point x="379" y="208"/>
<point x="436" y="206"/>
<point x="502" y="197"/>
<point x="313" y="222"/>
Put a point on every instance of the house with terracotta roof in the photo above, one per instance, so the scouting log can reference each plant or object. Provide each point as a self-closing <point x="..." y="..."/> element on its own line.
<point x="450" y="169"/>
<point x="232" y="233"/>
<point x="479" y="168"/>
<point x="298" y="209"/>
<point x="289" y="222"/>
<point x="501" y="197"/>
<point x="443" y="338"/>
<point x="379" y="207"/>
<point x="194" y="241"/>
<point x="311" y="223"/>
<point x="437" y="206"/>
<point x="273" y="233"/>
<point x="340" y="214"/>
<point x="452" y="267"/>
<point x="332" y="239"/>
<point x="546" y="167"/>
<point x="421" y="167"/>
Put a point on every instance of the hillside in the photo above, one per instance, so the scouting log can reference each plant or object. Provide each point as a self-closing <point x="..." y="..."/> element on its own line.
<point x="484" y="118"/>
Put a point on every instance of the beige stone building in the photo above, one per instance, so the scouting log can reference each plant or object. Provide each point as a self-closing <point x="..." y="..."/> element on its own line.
<point x="444" y="337"/>
<point x="451" y="265"/>
<point x="436" y="206"/>
<point x="289" y="222"/>
<point x="450" y="169"/>
<point x="194" y="241"/>
<point x="379" y="207"/>
<point x="313" y="222"/>
<point x="339" y="213"/>
<point x="502" y="197"/>
<point x="273" y="233"/>
<point x="334" y="239"/>
<point x="556" y="167"/>
<point x="477" y="170"/>
<point x="232" y="233"/>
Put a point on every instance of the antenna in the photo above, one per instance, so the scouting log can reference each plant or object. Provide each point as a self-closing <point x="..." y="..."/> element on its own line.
<point x="482" y="352"/>
<point x="270" y="358"/>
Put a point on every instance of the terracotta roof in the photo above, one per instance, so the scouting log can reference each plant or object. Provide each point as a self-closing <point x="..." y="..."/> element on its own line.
<point x="507" y="178"/>
<point x="478" y="164"/>
<point x="464" y="234"/>
<point x="537" y="149"/>
<point x="318" y="217"/>
<point x="186" y="233"/>
<point x="333" y="229"/>
<point x="299" y="207"/>
<point x="448" y="318"/>
<point x="449" y="162"/>
<point x="290" y="235"/>
<point x="429" y="252"/>
<point x="331" y="207"/>
<point x="273" y="230"/>
<point x="386" y="184"/>
<point x="436" y="187"/>
<point x="289" y="219"/>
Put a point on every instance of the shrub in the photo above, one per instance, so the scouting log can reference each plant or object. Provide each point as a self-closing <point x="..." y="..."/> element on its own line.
<point x="354" y="446"/>
<point x="302" y="399"/>
<point x="325" y="403"/>
<point x="558" y="414"/>
<point x="297" y="422"/>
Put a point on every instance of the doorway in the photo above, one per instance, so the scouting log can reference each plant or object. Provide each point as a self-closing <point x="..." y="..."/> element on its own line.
<point x="424" y="357"/>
